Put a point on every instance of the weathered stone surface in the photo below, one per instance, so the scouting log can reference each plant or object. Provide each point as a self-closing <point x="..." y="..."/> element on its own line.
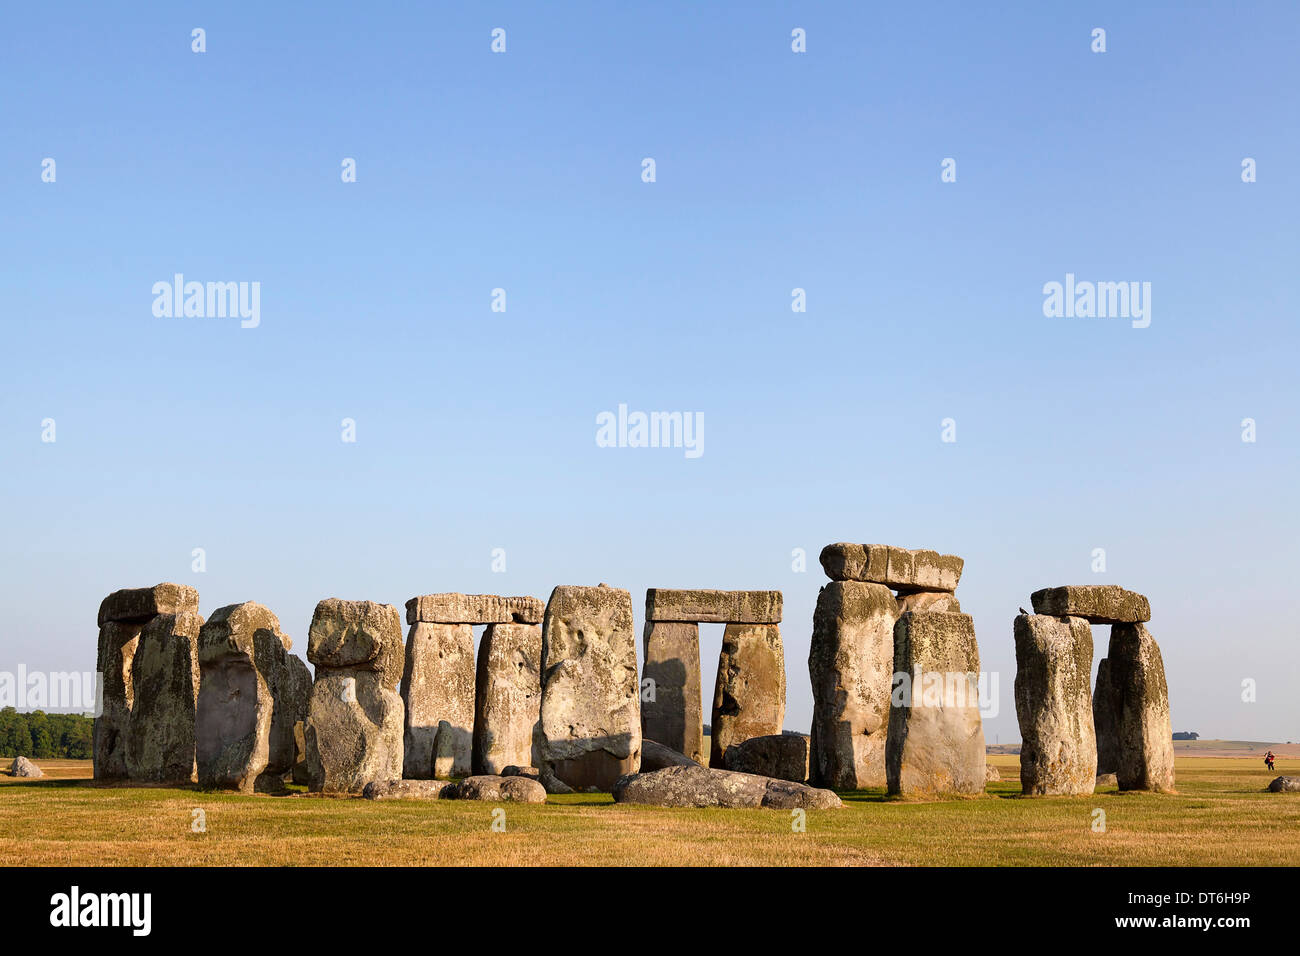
<point x="898" y="568"/>
<point x="1278" y="785"/>
<point x="1058" y="752"/>
<point x="353" y="732"/>
<point x="497" y="789"/>
<point x="405" y="789"/>
<point x="361" y="635"/>
<point x="655" y="756"/>
<point x="532" y="773"/>
<point x="289" y="719"/>
<point x="675" y="717"/>
<point x="714" y="607"/>
<point x="783" y="756"/>
<point x="242" y="660"/>
<point x="165" y="676"/>
<point x="591" y="717"/>
<point x="749" y="695"/>
<point x="703" y="787"/>
<point x="1098" y="603"/>
<point x="437" y="686"/>
<point x="928" y="601"/>
<point x="1105" y="720"/>
<point x="1106" y="780"/>
<point x="118" y="641"/>
<point x="935" y="741"/>
<point x="140" y="604"/>
<point x="453" y="608"/>
<point x="508" y="698"/>
<point x="991" y="774"/>
<point x="1145" y="746"/>
<point x="851" y="663"/>
<point x="22" y="767"/>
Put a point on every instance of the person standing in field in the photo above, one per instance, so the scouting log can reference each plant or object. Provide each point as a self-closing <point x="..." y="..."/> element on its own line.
<point x="1268" y="760"/>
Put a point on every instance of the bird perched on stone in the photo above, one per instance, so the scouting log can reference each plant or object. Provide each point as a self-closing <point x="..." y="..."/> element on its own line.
<point x="1023" y="611"/>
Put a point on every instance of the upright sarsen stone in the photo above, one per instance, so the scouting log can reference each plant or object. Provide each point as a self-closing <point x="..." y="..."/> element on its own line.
<point x="673" y="716"/>
<point x="935" y="741"/>
<point x="118" y="641"/>
<point x="437" y="686"/>
<point x="508" y="698"/>
<point x="1058" y="753"/>
<point x="1105" y="720"/>
<point x="851" y="663"/>
<point x="749" y="695"/>
<point x="591" y="717"/>
<point x="242" y="662"/>
<point x="355" y="720"/>
<point x="1144" y="736"/>
<point x="165" y="677"/>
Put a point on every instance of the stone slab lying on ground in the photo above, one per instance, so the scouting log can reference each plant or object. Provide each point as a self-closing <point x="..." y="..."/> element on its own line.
<point x="590" y="714"/>
<point x="405" y="789"/>
<point x="1098" y="603"/>
<point x="1058" y="753"/>
<point x="704" y="787"/>
<point x="22" y="767"/>
<point x="655" y="756"/>
<point x="497" y="789"/>
<point x="532" y="773"/>
<point x="1285" y="785"/>
<point x="899" y="568"/>
<point x="782" y="756"/>
<point x="140" y="604"/>
<point x="1106" y="780"/>
<point x="704" y="606"/>
<point x="455" y="608"/>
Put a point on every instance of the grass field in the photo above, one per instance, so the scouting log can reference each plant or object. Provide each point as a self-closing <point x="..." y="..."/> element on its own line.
<point x="1221" y="816"/>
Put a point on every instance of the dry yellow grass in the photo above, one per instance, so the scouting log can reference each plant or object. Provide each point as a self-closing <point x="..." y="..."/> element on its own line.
<point x="1219" y="817"/>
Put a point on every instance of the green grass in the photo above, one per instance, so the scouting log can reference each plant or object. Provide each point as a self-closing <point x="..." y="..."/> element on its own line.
<point x="1221" y="816"/>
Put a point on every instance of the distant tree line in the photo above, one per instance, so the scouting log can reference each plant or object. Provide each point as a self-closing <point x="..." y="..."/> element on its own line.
<point x="1186" y="735"/>
<point x="38" y="734"/>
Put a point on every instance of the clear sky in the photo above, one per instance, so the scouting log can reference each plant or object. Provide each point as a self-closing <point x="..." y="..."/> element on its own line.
<point x="775" y="170"/>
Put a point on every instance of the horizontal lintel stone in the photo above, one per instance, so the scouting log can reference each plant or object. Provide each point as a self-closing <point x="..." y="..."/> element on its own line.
<point x="713" y="607"/>
<point x="454" y="608"/>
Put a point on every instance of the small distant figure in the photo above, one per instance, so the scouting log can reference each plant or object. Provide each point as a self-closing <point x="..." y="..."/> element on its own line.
<point x="1023" y="611"/>
<point x="1268" y="760"/>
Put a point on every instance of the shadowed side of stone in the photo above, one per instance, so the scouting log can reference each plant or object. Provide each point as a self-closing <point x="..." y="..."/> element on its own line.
<point x="782" y="756"/>
<point x="508" y="698"/>
<point x="672" y="713"/>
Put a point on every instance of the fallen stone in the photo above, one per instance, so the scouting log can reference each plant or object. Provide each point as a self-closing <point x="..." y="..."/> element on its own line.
<point x="1279" y="785"/>
<point x="22" y="767"/>
<point x="898" y="568"/>
<point x="591" y="717"/>
<point x="703" y="787"/>
<point x="1098" y="603"/>
<point x="140" y="604"/>
<point x="242" y="658"/>
<point x="851" y="664"/>
<point x="165" y="677"/>
<point x="655" y="756"/>
<point x="438" y="687"/>
<point x="453" y="608"/>
<point x="674" y="717"/>
<point x="118" y="641"/>
<point x="405" y="789"/>
<point x="782" y="756"/>
<point x="507" y="698"/>
<point x="991" y="774"/>
<point x="1106" y="780"/>
<point x="532" y="773"/>
<point x="497" y="790"/>
<point x="713" y="607"/>
<point x="1058" y="753"/>
<point x="1144" y="737"/>
<point x="749" y="695"/>
<point x="935" y="742"/>
<point x="354" y="728"/>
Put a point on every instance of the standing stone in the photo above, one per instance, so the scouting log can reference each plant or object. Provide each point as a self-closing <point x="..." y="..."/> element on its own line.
<point x="242" y="654"/>
<point x="749" y="696"/>
<point x="675" y="717"/>
<point x="591" y="717"/>
<point x="1105" y="720"/>
<point x="140" y="604"/>
<point x="1144" y="737"/>
<point x="851" y="663"/>
<point x="22" y="767"/>
<point x="1058" y="753"/>
<point x="438" y="686"/>
<point x="118" y="641"/>
<point x="355" y="719"/>
<point x="935" y="741"/>
<point x="508" y="698"/>
<point x="295" y="699"/>
<point x="165" y="677"/>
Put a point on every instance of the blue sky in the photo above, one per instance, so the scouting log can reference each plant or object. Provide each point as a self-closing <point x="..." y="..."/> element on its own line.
<point x="476" y="429"/>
